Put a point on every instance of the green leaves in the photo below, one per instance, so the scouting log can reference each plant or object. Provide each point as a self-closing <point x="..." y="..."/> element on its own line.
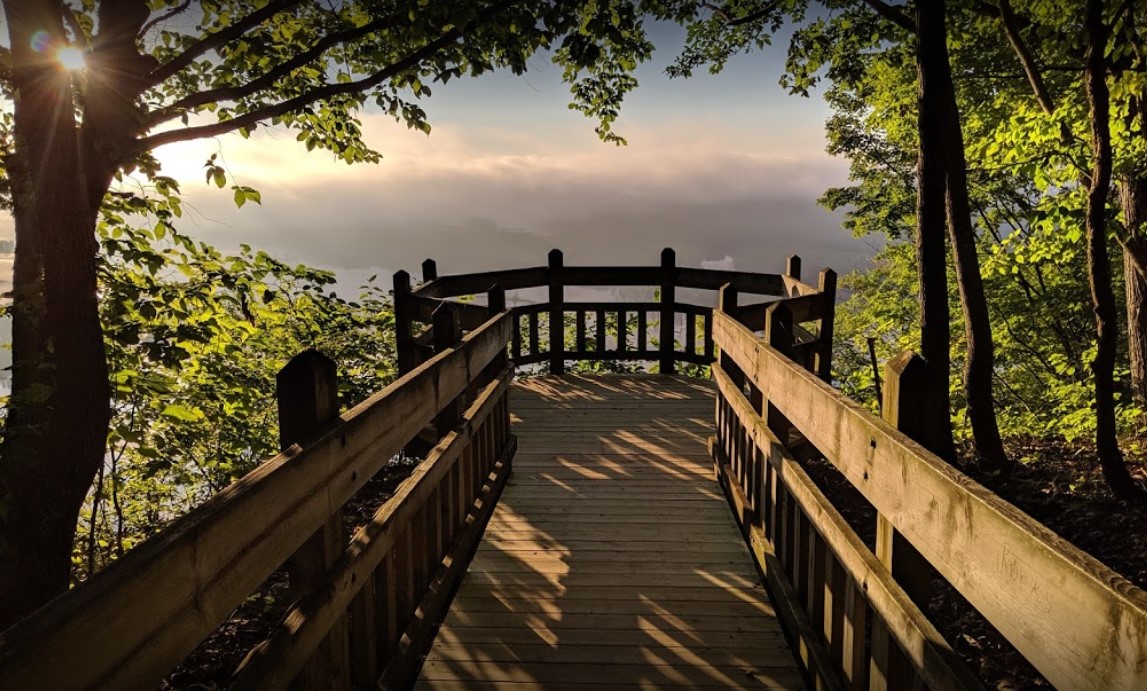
<point x="243" y="194"/>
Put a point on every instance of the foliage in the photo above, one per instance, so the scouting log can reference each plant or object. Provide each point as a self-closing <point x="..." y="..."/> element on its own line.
<point x="1025" y="163"/>
<point x="194" y="340"/>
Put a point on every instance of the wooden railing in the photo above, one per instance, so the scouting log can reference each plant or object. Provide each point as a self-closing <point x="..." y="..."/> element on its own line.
<point x="558" y="330"/>
<point x="363" y="609"/>
<point x="857" y="613"/>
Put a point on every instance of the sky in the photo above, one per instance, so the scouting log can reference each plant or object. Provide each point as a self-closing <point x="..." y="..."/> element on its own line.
<point x="725" y="169"/>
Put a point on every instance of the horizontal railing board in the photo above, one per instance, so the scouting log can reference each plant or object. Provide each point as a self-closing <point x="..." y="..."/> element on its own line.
<point x="684" y="277"/>
<point x="470" y="315"/>
<point x="742" y="281"/>
<point x="939" y="665"/>
<point x="474" y="283"/>
<point x="1078" y="622"/>
<point x="131" y="624"/>
<point x="274" y="664"/>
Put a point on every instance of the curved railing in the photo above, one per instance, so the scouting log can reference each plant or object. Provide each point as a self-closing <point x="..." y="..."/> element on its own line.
<point x="667" y="331"/>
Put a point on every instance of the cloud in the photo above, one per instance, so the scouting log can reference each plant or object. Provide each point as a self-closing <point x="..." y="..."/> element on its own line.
<point x="479" y="197"/>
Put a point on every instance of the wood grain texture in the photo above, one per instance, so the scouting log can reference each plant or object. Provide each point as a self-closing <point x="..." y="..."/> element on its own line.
<point x="1079" y="623"/>
<point x="132" y="624"/>
<point x="611" y="559"/>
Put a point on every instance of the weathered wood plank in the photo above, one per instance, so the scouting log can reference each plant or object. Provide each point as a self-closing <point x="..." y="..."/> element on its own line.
<point x="899" y="616"/>
<point x="167" y="595"/>
<point x="633" y="543"/>
<point x="1077" y="621"/>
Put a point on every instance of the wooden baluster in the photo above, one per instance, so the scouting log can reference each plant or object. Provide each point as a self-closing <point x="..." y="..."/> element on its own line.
<point x="691" y="334"/>
<point x="581" y="315"/>
<point x="815" y="588"/>
<point x="905" y="384"/>
<point x="386" y="587"/>
<point x="853" y="634"/>
<point x="822" y="364"/>
<point x="832" y="623"/>
<point x="535" y="339"/>
<point x="557" y="313"/>
<point x="403" y="323"/>
<point x="307" y="394"/>
<point x="710" y="347"/>
<point x="447" y="334"/>
<point x="405" y="585"/>
<point x="418" y="549"/>
<point x="602" y="331"/>
<point x="668" y="309"/>
<point x="802" y="541"/>
<point x="364" y="635"/>
<point x="642" y="331"/>
<point x="516" y="338"/>
<point x="622" y="332"/>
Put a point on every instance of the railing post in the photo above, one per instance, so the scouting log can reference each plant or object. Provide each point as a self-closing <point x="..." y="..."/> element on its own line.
<point x="447" y="334"/>
<point x="668" y="303"/>
<point x="307" y="393"/>
<point x="429" y="271"/>
<point x="403" y="322"/>
<point x="779" y="335"/>
<point x="557" y="313"/>
<point x="793" y="267"/>
<point x="727" y="302"/>
<point x="496" y="303"/>
<point x="823" y="362"/>
<point x="904" y="386"/>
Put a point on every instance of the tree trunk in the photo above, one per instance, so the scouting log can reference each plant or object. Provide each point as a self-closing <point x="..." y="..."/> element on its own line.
<point x="931" y="253"/>
<point x="1133" y="199"/>
<point x="1098" y="262"/>
<point x="979" y="365"/>
<point x="1136" y="293"/>
<point x="58" y="415"/>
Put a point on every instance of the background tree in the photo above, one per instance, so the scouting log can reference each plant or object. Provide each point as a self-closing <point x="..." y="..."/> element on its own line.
<point x="167" y="71"/>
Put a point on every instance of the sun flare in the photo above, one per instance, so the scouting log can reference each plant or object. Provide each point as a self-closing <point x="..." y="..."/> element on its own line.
<point x="71" y="58"/>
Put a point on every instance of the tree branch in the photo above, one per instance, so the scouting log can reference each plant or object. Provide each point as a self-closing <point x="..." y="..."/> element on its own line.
<point x="892" y="14"/>
<point x="1031" y="70"/>
<point x="234" y="93"/>
<point x="729" y="20"/>
<point x="321" y="93"/>
<point x="73" y="23"/>
<point x="178" y="10"/>
<point x="219" y="38"/>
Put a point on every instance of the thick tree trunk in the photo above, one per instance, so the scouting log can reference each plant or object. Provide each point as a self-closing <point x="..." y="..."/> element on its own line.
<point x="1133" y="199"/>
<point x="1136" y="293"/>
<point x="58" y="415"/>
<point x="1099" y="263"/>
<point x="979" y="365"/>
<point x="931" y="252"/>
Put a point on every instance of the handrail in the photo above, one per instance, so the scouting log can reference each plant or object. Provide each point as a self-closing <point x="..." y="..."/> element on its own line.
<point x="1076" y="621"/>
<point x="131" y="624"/>
<point x="616" y="330"/>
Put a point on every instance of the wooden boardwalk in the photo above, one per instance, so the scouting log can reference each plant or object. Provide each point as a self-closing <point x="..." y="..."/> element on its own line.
<point x="612" y="559"/>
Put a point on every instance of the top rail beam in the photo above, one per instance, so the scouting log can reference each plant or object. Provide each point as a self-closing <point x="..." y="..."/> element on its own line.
<point x="1078" y="622"/>
<point x="130" y="626"/>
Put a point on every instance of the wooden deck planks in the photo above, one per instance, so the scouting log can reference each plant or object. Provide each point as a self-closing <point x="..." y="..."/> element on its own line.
<point x="612" y="560"/>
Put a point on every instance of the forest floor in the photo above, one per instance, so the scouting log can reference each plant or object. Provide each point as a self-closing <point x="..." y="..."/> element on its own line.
<point x="1058" y="484"/>
<point x="1061" y="486"/>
